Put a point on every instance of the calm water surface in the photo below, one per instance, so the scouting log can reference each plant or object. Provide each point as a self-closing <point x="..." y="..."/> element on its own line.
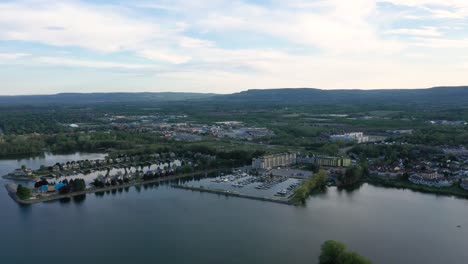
<point x="158" y="224"/>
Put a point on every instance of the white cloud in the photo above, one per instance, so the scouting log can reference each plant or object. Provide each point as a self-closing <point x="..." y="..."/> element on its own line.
<point x="443" y="43"/>
<point x="13" y="56"/>
<point x="339" y="26"/>
<point x="454" y="9"/>
<point x="426" y="31"/>
<point x="72" y="62"/>
<point x="164" y="55"/>
<point x="82" y="25"/>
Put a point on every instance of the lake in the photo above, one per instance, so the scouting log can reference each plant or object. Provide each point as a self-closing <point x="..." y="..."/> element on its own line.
<point x="159" y="224"/>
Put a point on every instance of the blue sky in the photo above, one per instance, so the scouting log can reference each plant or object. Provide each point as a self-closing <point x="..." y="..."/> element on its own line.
<point x="227" y="46"/>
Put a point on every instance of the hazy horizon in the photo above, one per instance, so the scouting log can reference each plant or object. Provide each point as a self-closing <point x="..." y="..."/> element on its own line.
<point x="49" y="47"/>
<point x="274" y="88"/>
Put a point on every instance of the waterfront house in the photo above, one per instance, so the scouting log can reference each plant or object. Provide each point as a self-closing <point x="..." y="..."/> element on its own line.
<point x="19" y="173"/>
<point x="387" y="174"/>
<point x="75" y="165"/>
<point x="433" y="179"/>
<point x="28" y="172"/>
<point x="66" y="166"/>
<point x="464" y="184"/>
<point x="56" y="168"/>
<point x="100" y="178"/>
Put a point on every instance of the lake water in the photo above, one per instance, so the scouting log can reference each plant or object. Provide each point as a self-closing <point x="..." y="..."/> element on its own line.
<point x="159" y="224"/>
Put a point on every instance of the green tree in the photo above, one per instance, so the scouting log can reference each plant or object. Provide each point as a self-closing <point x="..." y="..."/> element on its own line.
<point x="351" y="258"/>
<point x="318" y="181"/>
<point x="333" y="252"/>
<point x="23" y="192"/>
<point x="352" y="175"/>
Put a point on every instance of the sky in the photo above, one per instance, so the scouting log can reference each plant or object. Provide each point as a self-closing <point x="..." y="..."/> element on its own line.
<point x="225" y="46"/>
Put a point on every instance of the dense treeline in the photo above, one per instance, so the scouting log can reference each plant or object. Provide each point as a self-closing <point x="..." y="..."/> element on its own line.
<point x="352" y="175"/>
<point x="318" y="181"/>
<point x="43" y="120"/>
<point x="333" y="252"/>
<point x="22" y="145"/>
<point x="99" y="141"/>
<point x="73" y="185"/>
<point x="451" y="136"/>
<point x="392" y="153"/>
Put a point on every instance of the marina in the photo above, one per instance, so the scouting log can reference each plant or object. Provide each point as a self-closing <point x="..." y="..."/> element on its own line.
<point x="266" y="188"/>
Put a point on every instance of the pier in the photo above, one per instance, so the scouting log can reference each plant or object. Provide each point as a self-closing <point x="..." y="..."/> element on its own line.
<point x="231" y="193"/>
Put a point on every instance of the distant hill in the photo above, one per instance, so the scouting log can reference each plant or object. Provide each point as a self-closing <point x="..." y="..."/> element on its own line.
<point x="437" y="96"/>
<point x="432" y="96"/>
<point x="95" y="98"/>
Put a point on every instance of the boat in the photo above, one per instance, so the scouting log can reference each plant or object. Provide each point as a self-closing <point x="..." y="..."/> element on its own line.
<point x="282" y="192"/>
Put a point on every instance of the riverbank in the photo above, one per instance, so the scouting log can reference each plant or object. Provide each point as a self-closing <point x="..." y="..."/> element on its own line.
<point x="108" y="188"/>
<point x="454" y="190"/>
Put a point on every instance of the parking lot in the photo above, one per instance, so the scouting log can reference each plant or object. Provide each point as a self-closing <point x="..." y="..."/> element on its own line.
<point x="278" y="188"/>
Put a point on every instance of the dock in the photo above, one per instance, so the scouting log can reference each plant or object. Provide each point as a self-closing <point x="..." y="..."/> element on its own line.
<point x="231" y="193"/>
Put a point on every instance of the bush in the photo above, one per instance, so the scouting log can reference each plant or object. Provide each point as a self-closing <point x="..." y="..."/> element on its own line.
<point x="334" y="252"/>
<point x="315" y="182"/>
<point x="23" y="192"/>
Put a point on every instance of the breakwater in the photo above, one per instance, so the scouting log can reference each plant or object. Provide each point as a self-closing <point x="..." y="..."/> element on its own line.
<point x="231" y="193"/>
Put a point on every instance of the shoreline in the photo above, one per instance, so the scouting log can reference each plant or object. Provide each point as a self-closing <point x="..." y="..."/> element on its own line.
<point x="13" y="178"/>
<point x="108" y="188"/>
<point x="38" y="177"/>
<point x="455" y="190"/>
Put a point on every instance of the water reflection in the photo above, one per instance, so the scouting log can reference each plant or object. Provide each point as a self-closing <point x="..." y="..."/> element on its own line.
<point x="65" y="200"/>
<point x="79" y="198"/>
<point x="351" y="188"/>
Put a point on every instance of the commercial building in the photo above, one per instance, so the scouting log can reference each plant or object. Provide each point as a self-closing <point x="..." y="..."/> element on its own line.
<point x="355" y="136"/>
<point x="332" y="161"/>
<point x="291" y="173"/>
<point x="274" y="160"/>
<point x="326" y="161"/>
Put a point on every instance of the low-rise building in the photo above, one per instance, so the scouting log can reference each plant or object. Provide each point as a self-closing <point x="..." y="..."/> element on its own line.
<point x="326" y="161"/>
<point x="291" y="173"/>
<point x="332" y="161"/>
<point x="274" y="160"/>
<point x="358" y="137"/>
